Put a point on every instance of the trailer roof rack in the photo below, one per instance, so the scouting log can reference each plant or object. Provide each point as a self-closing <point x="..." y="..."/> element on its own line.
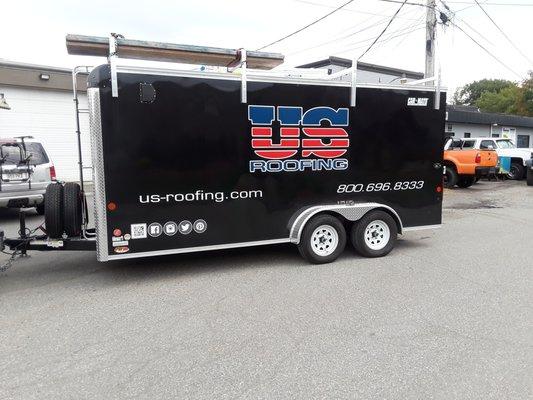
<point x="169" y="52"/>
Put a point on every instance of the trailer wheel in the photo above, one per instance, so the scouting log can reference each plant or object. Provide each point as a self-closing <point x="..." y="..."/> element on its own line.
<point x="450" y="177"/>
<point x="375" y="234"/>
<point x="323" y="239"/>
<point x="466" y="181"/>
<point x="72" y="203"/>
<point x="53" y="210"/>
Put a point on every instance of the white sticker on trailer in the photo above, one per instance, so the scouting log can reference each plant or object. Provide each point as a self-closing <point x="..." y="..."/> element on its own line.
<point x="122" y="243"/>
<point x="417" y="101"/>
<point x="138" y="231"/>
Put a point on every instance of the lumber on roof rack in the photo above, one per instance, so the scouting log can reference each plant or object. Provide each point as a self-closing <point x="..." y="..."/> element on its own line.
<point x="169" y="52"/>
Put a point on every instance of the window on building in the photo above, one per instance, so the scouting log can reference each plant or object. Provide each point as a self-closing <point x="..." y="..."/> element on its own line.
<point x="509" y="133"/>
<point x="467" y="135"/>
<point x="522" y="141"/>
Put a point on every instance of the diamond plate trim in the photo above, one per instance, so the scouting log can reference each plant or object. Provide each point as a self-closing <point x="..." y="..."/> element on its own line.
<point x="100" y="217"/>
<point x="351" y="212"/>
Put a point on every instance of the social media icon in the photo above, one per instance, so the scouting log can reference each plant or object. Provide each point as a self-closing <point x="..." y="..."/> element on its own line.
<point x="170" y="228"/>
<point x="155" y="229"/>
<point x="185" y="227"/>
<point x="200" y="226"/>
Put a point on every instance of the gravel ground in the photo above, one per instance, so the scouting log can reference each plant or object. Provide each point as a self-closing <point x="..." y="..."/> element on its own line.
<point x="447" y="315"/>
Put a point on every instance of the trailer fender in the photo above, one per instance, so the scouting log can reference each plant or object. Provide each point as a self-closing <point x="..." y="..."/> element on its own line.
<point x="352" y="212"/>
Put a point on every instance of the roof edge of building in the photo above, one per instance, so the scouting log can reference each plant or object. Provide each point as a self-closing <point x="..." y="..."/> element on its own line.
<point x="347" y="63"/>
<point x="486" y="118"/>
<point x="34" y="76"/>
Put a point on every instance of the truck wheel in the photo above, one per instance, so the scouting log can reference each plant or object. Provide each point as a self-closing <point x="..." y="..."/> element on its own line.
<point x="466" y="181"/>
<point x="53" y="210"/>
<point x="530" y="177"/>
<point x="72" y="202"/>
<point x="516" y="172"/>
<point x="323" y="239"/>
<point x="375" y="234"/>
<point x="450" y="177"/>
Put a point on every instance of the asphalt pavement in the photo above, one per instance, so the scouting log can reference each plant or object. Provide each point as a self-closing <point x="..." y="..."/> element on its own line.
<point x="447" y="315"/>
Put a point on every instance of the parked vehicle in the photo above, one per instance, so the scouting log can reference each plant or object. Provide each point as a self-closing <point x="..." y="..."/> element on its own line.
<point x="25" y="173"/>
<point x="529" y="167"/>
<point x="464" y="164"/>
<point x="187" y="161"/>
<point x="505" y="148"/>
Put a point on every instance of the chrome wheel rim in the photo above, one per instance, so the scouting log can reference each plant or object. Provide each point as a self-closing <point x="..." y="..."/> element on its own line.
<point x="513" y="172"/>
<point x="377" y="235"/>
<point x="324" y="240"/>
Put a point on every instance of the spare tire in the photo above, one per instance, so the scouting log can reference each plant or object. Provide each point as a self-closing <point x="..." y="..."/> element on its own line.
<point x="72" y="204"/>
<point x="53" y="210"/>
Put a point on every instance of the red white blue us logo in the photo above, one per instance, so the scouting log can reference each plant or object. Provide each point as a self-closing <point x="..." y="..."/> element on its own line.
<point x="310" y="140"/>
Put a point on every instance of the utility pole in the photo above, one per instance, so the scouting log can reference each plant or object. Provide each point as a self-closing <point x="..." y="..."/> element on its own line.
<point x="431" y="31"/>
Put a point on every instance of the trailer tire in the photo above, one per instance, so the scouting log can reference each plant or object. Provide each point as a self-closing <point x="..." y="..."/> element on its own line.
<point x="72" y="203"/>
<point x="375" y="234"/>
<point x="451" y="177"/>
<point x="466" y="181"/>
<point x="53" y="210"/>
<point x="323" y="239"/>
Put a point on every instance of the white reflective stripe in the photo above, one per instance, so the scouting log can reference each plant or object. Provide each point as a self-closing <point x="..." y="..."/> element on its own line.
<point x="422" y="227"/>
<point x="195" y="249"/>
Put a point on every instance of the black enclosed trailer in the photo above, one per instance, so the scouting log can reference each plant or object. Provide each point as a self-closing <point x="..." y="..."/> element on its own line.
<point x="189" y="161"/>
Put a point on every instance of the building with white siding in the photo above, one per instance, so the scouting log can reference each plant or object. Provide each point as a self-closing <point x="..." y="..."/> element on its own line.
<point x="467" y="121"/>
<point x="41" y="105"/>
<point x="366" y="73"/>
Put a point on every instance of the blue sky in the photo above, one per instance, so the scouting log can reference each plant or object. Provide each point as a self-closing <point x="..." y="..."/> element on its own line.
<point x="34" y="31"/>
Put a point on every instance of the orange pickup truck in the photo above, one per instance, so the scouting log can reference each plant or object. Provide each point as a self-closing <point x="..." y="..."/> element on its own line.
<point x="464" y="164"/>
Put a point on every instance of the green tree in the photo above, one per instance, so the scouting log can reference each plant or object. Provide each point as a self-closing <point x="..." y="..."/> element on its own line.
<point x="525" y="104"/>
<point x="499" y="96"/>
<point x="505" y="101"/>
<point x="470" y="93"/>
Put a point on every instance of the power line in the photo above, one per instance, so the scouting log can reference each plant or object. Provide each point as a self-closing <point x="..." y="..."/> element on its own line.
<point x="404" y="31"/>
<point x="383" y="31"/>
<point x="454" y="14"/>
<point x="504" y="34"/>
<point x="346" y="9"/>
<point x="385" y="40"/>
<point x="389" y="36"/>
<point x="339" y="38"/>
<point x="495" y="4"/>
<point x="307" y="26"/>
<point x="485" y="49"/>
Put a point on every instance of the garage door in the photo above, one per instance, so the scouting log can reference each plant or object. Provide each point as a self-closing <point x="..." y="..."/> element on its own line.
<point x="48" y="116"/>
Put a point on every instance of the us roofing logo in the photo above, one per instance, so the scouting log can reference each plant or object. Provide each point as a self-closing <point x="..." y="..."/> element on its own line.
<point x="303" y="143"/>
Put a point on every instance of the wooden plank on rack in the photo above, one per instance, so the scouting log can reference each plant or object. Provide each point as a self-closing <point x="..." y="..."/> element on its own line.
<point x="169" y="52"/>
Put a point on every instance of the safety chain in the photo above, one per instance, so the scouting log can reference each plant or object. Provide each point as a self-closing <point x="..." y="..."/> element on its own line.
<point x="17" y="253"/>
<point x="9" y="263"/>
